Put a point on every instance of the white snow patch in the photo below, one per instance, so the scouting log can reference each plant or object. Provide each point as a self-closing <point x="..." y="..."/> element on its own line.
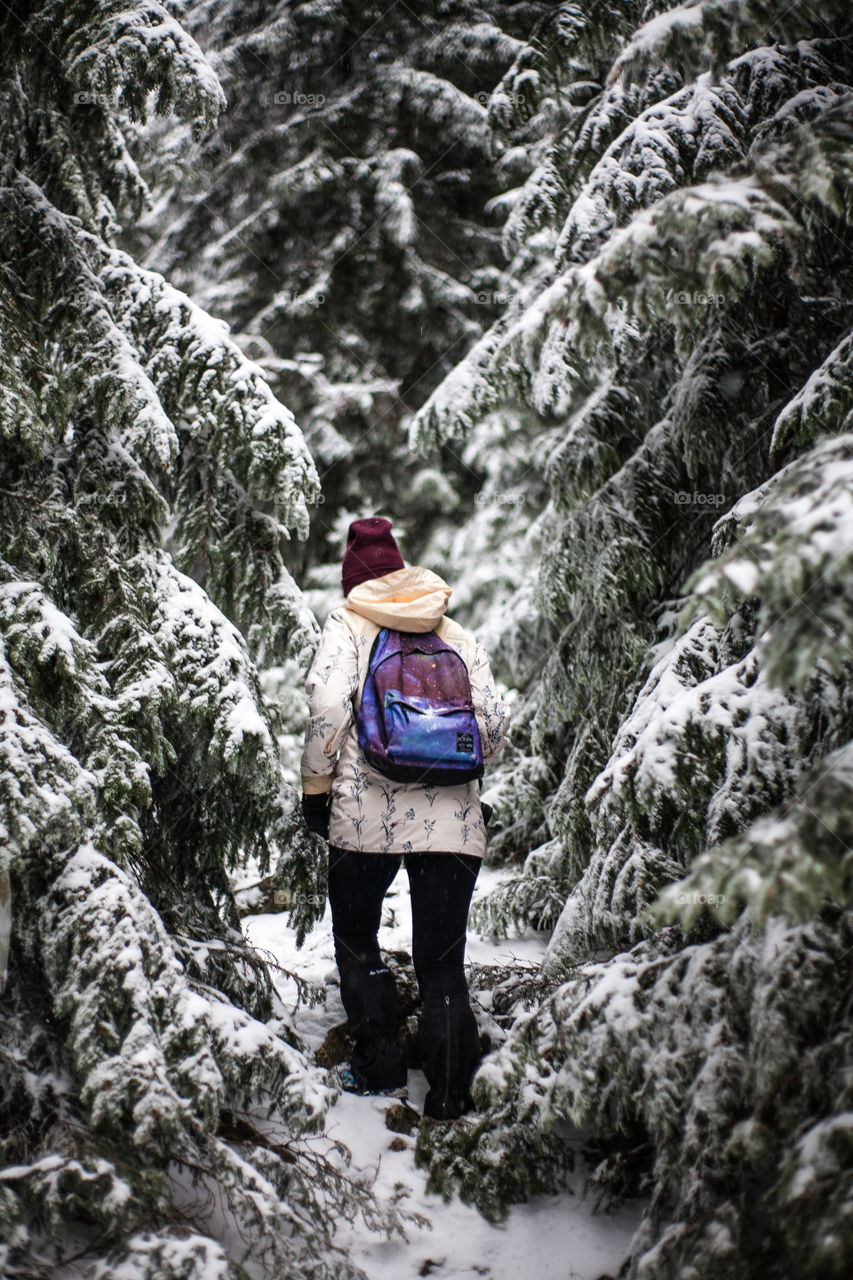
<point x="744" y="574"/>
<point x="554" y="1237"/>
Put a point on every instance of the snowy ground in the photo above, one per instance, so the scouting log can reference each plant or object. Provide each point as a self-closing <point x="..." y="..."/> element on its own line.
<point x="551" y="1238"/>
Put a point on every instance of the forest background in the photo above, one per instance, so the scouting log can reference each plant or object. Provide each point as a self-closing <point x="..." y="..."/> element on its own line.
<point x="563" y="289"/>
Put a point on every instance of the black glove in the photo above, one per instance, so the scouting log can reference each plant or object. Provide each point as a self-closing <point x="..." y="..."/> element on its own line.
<point x="315" y="811"/>
<point x="487" y="813"/>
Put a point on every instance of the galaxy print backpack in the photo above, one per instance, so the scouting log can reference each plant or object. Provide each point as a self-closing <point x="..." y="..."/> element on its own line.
<point x="416" y="719"/>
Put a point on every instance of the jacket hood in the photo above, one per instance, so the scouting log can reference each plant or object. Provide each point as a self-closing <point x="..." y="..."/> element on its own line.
<point x="410" y="599"/>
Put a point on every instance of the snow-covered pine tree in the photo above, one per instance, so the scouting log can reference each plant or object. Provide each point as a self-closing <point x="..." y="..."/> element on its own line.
<point x="338" y="220"/>
<point x="141" y="1041"/>
<point x="693" y="344"/>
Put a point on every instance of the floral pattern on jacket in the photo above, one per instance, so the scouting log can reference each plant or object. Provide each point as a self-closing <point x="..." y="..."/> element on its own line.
<point x="372" y="813"/>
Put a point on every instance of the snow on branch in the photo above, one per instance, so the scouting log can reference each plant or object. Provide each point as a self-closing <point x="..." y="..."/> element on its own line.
<point x="689" y="738"/>
<point x="199" y="370"/>
<point x="257" y="1063"/>
<point x="216" y="679"/>
<point x="105" y="368"/>
<point x="138" y="1045"/>
<point x="150" y="1255"/>
<point x="709" y="745"/>
<point x="45" y="792"/>
<point x="460" y="119"/>
<point x="790" y="544"/>
<point x="152" y="362"/>
<point x="562" y="59"/>
<point x="635" y="211"/>
<point x="129" y="49"/>
<point x="152" y="1053"/>
<point x="681" y="1047"/>
<point x="697" y="33"/>
<point x="673" y="141"/>
<point x="824" y="405"/>
<point x="65" y="745"/>
<point x="735" y="226"/>
<point x="787" y="862"/>
<point x="468" y="392"/>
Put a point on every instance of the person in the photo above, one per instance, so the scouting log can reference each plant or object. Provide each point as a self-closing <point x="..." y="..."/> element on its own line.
<point x="372" y="822"/>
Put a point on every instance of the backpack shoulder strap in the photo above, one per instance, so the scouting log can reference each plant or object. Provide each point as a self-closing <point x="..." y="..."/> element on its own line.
<point x="366" y="634"/>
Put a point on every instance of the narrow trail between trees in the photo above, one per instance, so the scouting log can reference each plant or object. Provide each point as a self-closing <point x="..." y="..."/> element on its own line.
<point x="558" y="1237"/>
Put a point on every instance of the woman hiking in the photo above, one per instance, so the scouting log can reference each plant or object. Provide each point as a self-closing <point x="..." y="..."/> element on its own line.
<point x="372" y="820"/>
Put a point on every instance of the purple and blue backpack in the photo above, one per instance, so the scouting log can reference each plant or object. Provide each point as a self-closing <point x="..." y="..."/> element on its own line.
<point x="416" y="719"/>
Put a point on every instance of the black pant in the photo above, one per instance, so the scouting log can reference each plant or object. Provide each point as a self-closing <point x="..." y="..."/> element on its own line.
<point x="441" y="886"/>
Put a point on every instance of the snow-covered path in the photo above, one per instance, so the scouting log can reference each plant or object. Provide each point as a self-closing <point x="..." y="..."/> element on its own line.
<point x="551" y="1238"/>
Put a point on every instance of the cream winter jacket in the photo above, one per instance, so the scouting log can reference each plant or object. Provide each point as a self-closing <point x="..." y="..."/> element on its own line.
<point x="372" y="813"/>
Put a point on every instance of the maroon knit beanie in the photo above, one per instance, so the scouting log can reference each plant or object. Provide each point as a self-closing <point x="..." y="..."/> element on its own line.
<point x="371" y="552"/>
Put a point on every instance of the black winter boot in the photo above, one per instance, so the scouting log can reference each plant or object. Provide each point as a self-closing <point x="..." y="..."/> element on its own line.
<point x="369" y="996"/>
<point x="450" y="1048"/>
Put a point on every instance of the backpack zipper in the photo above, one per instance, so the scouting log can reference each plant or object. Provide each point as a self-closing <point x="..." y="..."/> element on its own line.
<point x="438" y="709"/>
